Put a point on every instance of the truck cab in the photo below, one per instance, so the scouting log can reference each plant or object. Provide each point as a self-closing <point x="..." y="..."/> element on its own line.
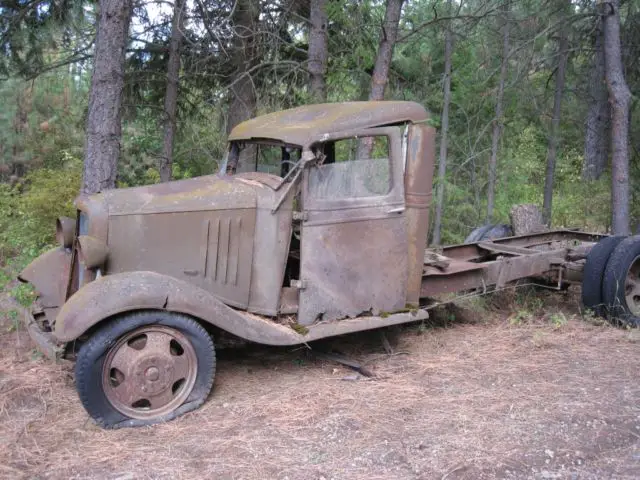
<point x="344" y="173"/>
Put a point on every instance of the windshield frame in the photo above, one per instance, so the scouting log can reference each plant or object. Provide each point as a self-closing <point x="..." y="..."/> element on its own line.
<point x="234" y="148"/>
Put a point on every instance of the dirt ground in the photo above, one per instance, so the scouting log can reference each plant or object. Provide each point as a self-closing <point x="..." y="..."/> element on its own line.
<point x="512" y="391"/>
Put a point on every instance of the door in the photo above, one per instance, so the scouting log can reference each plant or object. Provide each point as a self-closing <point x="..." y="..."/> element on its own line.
<point x="353" y="253"/>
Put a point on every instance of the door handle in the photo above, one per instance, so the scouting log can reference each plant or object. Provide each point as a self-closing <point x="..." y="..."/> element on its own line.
<point x="396" y="210"/>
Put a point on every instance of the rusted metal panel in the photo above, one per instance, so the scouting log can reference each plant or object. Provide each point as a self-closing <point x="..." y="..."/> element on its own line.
<point x="352" y="268"/>
<point x="210" y="192"/>
<point x="213" y="250"/>
<point x="497" y="272"/>
<point x="130" y="291"/>
<point x="453" y="267"/>
<point x="271" y="246"/>
<point x="49" y="274"/>
<point x="119" y="293"/>
<point x="289" y="300"/>
<point x="418" y="186"/>
<point x="305" y="125"/>
<point x="551" y="239"/>
<point x="44" y="340"/>
<point x="354" y="250"/>
<point x="505" y="249"/>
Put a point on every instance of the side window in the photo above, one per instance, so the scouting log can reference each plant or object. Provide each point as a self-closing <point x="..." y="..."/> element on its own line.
<point x="352" y="168"/>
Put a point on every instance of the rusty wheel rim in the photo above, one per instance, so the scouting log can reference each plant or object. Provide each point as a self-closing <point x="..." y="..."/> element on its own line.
<point x="632" y="287"/>
<point x="149" y="372"/>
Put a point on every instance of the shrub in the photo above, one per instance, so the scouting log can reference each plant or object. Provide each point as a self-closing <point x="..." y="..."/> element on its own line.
<point x="28" y="210"/>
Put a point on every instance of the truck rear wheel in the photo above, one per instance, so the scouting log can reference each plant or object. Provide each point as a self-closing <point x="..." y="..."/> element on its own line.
<point x="144" y="368"/>
<point x="621" y="283"/>
<point x="593" y="273"/>
<point x="477" y="233"/>
<point x="489" y="232"/>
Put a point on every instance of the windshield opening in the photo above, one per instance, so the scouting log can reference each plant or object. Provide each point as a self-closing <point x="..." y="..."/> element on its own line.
<point x="267" y="156"/>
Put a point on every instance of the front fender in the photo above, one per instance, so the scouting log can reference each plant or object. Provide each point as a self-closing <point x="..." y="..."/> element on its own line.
<point x="49" y="274"/>
<point x="114" y="294"/>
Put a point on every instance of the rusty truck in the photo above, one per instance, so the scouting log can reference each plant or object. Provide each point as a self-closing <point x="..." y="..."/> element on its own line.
<point x="316" y="225"/>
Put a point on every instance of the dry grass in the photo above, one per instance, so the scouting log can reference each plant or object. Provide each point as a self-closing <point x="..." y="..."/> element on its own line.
<point x="488" y="399"/>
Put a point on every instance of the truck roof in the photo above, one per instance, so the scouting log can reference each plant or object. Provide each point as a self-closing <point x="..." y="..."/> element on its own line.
<point x="305" y="125"/>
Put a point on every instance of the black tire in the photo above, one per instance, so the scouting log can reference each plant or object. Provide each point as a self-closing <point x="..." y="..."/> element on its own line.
<point x="92" y="355"/>
<point x="501" y="230"/>
<point x="614" y="283"/>
<point x="593" y="273"/>
<point x="477" y="233"/>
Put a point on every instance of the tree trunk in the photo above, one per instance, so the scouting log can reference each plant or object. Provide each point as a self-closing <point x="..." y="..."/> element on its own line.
<point x="171" y="94"/>
<point x="526" y="219"/>
<point x="388" y="38"/>
<point x="497" y="123"/>
<point x="102" y="144"/>
<point x="620" y="100"/>
<point x="554" y="135"/>
<point x="243" y="93"/>
<point x="380" y="76"/>
<point x="444" y="129"/>
<point x="596" y="141"/>
<point x="318" y="51"/>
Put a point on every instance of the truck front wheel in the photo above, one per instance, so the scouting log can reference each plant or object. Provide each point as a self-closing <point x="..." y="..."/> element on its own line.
<point x="145" y="367"/>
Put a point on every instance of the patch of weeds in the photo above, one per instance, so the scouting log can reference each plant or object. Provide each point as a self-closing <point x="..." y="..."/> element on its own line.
<point x="590" y="317"/>
<point x="539" y="339"/>
<point x="477" y="304"/>
<point x="24" y="294"/>
<point x="520" y="317"/>
<point x="15" y="320"/>
<point x="5" y="278"/>
<point x="36" y="355"/>
<point x="558" y="319"/>
<point x="301" y="329"/>
<point x="299" y="362"/>
<point x="422" y="328"/>
<point x="528" y="299"/>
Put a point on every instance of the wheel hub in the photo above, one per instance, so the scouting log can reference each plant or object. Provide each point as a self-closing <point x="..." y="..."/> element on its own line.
<point x="153" y="374"/>
<point x="632" y="287"/>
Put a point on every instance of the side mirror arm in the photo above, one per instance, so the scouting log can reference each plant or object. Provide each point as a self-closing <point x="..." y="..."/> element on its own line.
<point x="295" y="174"/>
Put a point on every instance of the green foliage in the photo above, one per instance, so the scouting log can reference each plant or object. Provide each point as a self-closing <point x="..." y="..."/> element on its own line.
<point x="28" y="210"/>
<point x="575" y="203"/>
<point x="15" y="320"/>
<point x="520" y="317"/>
<point x="5" y="278"/>
<point x="558" y="319"/>
<point x="39" y="120"/>
<point x="36" y="355"/>
<point x="24" y="294"/>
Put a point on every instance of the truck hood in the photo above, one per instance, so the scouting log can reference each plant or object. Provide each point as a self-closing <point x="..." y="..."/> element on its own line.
<point x="211" y="192"/>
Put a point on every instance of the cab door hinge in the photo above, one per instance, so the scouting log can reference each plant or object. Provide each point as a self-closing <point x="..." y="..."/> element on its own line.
<point x="299" y="284"/>
<point x="300" y="216"/>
